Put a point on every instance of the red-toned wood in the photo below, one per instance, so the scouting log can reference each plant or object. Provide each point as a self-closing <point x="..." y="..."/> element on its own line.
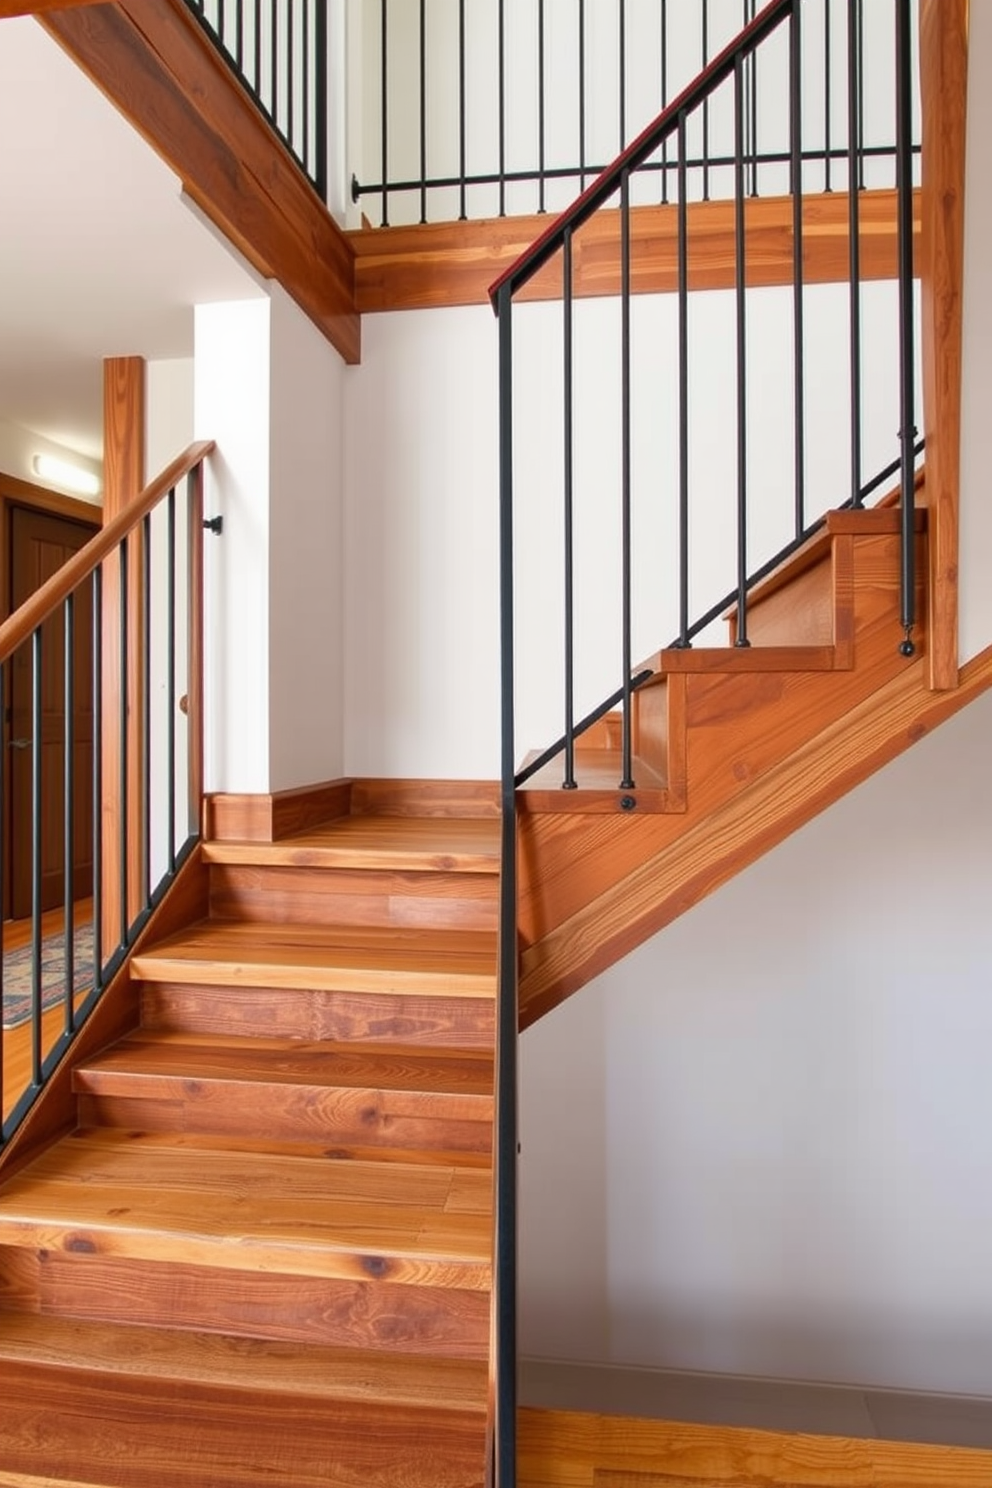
<point x="944" y="90"/>
<point x="268" y="818"/>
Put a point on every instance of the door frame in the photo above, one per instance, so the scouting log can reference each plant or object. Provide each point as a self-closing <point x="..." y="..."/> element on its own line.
<point x="17" y="492"/>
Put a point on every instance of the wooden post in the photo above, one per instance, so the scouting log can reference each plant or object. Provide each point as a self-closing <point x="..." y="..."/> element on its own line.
<point x="943" y="84"/>
<point x="124" y="475"/>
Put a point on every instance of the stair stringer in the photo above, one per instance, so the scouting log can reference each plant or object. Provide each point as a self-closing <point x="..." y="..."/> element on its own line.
<point x="765" y="752"/>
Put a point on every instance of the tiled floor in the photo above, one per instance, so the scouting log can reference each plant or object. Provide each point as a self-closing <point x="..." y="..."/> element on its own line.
<point x="726" y="1400"/>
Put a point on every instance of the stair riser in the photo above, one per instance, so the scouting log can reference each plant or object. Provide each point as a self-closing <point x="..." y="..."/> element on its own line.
<point x="443" y="1322"/>
<point x="403" y="1121"/>
<point x="317" y="1015"/>
<point x="307" y="896"/>
<point x="147" y="1433"/>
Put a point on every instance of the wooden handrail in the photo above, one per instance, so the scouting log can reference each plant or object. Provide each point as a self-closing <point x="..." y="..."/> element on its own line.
<point x="20" y="626"/>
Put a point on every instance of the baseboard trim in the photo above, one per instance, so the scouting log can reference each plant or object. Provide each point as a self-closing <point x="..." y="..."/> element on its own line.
<point x="264" y="817"/>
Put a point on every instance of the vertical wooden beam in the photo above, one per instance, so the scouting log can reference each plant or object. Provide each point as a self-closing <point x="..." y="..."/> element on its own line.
<point x="123" y="479"/>
<point x="943" y="84"/>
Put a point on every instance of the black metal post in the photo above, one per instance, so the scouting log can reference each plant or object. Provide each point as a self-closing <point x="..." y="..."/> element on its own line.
<point x="827" y="124"/>
<point x="423" y="110"/>
<point x="664" y="98"/>
<point x="569" y="782"/>
<point x="540" y="106"/>
<point x="854" y="243"/>
<point x="741" y="303"/>
<point x="384" y="106"/>
<point x="683" y="293"/>
<point x="69" y="810"/>
<point x="462" y="103"/>
<point x="622" y="50"/>
<point x="36" y="853"/>
<point x="907" y="371"/>
<point x="706" y="103"/>
<point x="501" y="15"/>
<point x="170" y="668"/>
<point x="582" y="94"/>
<point x="505" y="1436"/>
<point x="627" y="767"/>
<point x="124" y="776"/>
<point x="146" y="712"/>
<point x="798" y="329"/>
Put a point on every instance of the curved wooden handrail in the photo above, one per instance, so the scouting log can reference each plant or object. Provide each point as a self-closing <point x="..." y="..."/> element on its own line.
<point x="45" y="601"/>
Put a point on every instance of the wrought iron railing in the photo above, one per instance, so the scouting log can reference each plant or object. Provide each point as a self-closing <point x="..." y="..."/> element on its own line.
<point x="279" y="51"/>
<point x="101" y="670"/>
<point x="665" y="466"/>
<point x="495" y="108"/>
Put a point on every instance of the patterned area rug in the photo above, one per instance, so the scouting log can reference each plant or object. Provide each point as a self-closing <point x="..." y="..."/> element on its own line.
<point x="17" y="974"/>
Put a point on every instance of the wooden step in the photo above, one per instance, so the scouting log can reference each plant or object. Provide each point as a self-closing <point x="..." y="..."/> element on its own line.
<point x="337" y="958"/>
<point x="323" y="1311"/>
<point x="110" y="1193"/>
<point x="394" y="844"/>
<point x="387" y="1017"/>
<point x="400" y="1098"/>
<point x="144" y="1408"/>
<point x="436" y="899"/>
<point x="598" y="792"/>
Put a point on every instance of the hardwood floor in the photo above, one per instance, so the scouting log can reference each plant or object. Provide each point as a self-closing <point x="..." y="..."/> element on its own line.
<point x="265" y="1253"/>
<point x="16" y="1042"/>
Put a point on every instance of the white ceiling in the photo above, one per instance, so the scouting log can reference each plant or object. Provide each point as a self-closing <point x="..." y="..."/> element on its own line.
<point x="100" y="255"/>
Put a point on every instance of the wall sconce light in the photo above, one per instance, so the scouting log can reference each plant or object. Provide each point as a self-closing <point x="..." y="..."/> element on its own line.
<point x="69" y="476"/>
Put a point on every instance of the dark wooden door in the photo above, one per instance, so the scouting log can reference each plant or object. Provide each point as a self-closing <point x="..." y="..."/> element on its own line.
<point x="39" y="544"/>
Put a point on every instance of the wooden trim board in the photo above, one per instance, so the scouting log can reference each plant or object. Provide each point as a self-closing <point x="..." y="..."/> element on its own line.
<point x="560" y="1449"/>
<point x="426" y="267"/>
<point x="944" y="87"/>
<point x="268" y="818"/>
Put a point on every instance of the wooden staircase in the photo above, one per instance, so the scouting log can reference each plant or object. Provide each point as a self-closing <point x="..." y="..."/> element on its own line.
<point x="733" y="749"/>
<point x="264" y="1255"/>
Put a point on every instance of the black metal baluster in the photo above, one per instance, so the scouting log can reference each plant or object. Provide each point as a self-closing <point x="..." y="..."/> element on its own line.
<point x="854" y="243"/>
<point x="506" y="1067"/>
<point x="569" y="782"/>
<point x="462" y="104"/>
<point x="423" y="110"/>
<point x="664" y="98"/>
<point x="582" y="94"/>
<point x="706" y="104"/>
<point x="622" y="19"/>
<point x="257" y="76"/>
<point x="502" y="108"/>
<point x="861" y="94"/>
<point x="239" y="21"/>
<point x="290" y="72"/>
<point x="98" y="777"/>
<point x="68" y="810"/>
<point x="627" y="780"/>
<point x="540" y="106"/>
<point x="384" y="108"/>
<point x="827" y="130"/>
<point x="741" y="301"/>
<point x="754" y="108"/>
<point x="798" y="328"/>
<point x="683" y="254"/>
<point x="170" y="668"/>
<point x="275" y="67"/>
<point x="320" y="99"/>
<point x="124" y="773"/>
<point x="907" y="369"/>
<point x="146" y="713"/>
<point x="305" y="44"/>
<point x="36" y="854"/>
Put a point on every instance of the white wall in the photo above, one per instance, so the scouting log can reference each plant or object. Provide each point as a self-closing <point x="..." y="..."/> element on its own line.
<point x="759" y="1144"/>
<point x="421" y="581"/>
<point x="268" y="389"/>
<point x="976" y="508"/>
<point x="18" y="447"/>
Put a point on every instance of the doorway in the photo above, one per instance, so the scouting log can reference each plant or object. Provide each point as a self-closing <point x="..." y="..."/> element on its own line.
<point x="38" y="544"/>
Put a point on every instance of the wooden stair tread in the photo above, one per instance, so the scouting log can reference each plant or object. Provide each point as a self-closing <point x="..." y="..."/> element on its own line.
<point x="287" y="1061"/>
<point x="108" y="1193"/>
<point x="597" y="773"/>
<point x="339" y="958"/>
<point x="312" y="1371"/>
<point x="412" y="844"/>
<point x="746" y="659"/>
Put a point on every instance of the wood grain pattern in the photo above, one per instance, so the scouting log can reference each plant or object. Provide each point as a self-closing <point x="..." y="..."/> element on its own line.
<point x="294" y="895"/>
<point x="410" y="844"/>
<point x="944" y="90"/>
<point x="156" y="65"/>
<point x="115" y="1015"/>
<point x="558" y="1449"/>
<point x="426" y="267"/>
<point x="365" y="959"/>
<point x="432" y="1019"/>
<point x="267" y="818"/>
<point x="464" y="799"/>
<point x="741" y="728"/>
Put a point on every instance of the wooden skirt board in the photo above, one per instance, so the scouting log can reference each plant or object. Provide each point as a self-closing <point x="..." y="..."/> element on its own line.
<point x="561" y="1449"/>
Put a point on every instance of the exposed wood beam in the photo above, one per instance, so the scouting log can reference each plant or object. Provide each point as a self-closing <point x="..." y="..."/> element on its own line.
<point x="152" y="60"/>
<point x="944" y="85"/>
<point x="36" y="7"/>
<point x="419" y="268"/>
